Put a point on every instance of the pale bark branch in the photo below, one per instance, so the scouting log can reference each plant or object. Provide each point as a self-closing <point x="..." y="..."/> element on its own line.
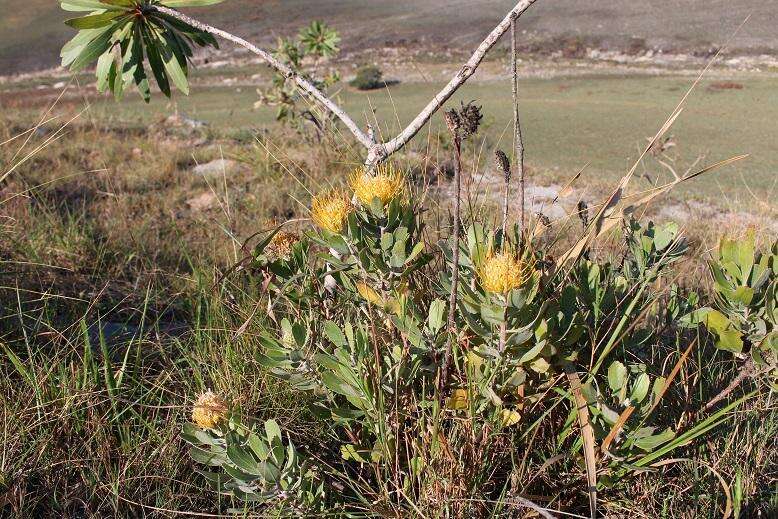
<point x="376" y="152"/>
<point x="283" y="68"/>
<point x="467" y="70"/>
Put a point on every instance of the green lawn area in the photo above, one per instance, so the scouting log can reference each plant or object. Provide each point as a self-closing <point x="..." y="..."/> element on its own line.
<point x="568" y="122"/>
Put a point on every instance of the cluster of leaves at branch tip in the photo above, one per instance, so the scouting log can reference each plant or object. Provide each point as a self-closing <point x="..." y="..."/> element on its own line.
<point x="744" y="313"/>
<point x="125" y="37"/>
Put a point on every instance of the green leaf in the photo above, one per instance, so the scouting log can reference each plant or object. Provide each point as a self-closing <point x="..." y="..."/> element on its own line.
<point x="155" y="61"/>
<point x="269" y="472"/>
<point x="243" y="460"/>
<point x="173" y="67"/>
<point x="103" y="70"/>
<point x="334" y="334"/>
<point x="92" y="50"/>
<point x="617" y="376"/>
<point x="650" y="443"/>
<point x="273" y="431"/>
<point x="743" y="295"/>
<point x="88" y="5"/>
<point x="94" y="21"/>
<point x="640" y="389"/>
<point x="436" y="316"/>
<point x="727" y="336"/>
<point x="189" y="3"/>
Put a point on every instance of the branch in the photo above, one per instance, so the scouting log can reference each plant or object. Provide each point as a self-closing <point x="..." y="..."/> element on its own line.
<point x="283" y="68"/>
<point x="748" y="369"/>
<point x="518" y="140"/>
<point x="467" y="70"/>
<point x="523" y="502"/>
<point x="377" y="152"/>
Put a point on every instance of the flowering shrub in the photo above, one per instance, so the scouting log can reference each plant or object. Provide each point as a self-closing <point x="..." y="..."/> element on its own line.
<point x="366" y="330"/>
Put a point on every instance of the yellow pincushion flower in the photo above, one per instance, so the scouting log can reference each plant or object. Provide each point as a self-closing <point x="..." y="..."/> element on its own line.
<point x="280" y="246"/>
<point x="385" y="183"/>
<point x="209" y="410"/>
<point x="502" y="272"/>
<point x="330" y="210"/>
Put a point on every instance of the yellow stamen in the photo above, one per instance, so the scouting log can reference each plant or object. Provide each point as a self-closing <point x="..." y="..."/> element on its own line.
<point x="500" y="273"/>
<point x="209" y="410"/>
<point x="385" y="183"/>
<point x="330" y="210"/>
<point x="280" y="246"/>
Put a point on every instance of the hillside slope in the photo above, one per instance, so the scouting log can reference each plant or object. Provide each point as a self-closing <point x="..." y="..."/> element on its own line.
<point x="31" y="31"/>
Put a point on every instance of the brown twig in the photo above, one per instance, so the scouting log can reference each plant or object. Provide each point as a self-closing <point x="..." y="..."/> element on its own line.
<point x="526" y="503"/>
<point x="452" y="301"/>
<point x="747" y="370"/>
<point x="518" y="140"/>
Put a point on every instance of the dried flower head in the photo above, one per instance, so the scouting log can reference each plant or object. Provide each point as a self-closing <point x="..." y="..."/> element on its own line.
<point x="281" y="244"/>
<point x="502" y="163"/>
<point x="500" y="273"/>
<point x="464" y="122"/>
<point x="452" y="120"/>
<point x="330" y="210"/>
<point x="470" y="115"/>
<point x="543" y="219"/>
<point x="209" y="410"/>
<point x="583" y="213"/>
<point x="385" y="183"/>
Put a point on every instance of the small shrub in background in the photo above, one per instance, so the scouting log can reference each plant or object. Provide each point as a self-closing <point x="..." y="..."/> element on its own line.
<point x="368" y="77"/>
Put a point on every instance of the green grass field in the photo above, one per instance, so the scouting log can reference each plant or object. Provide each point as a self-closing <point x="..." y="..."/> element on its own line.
<point x="568" y="123"/>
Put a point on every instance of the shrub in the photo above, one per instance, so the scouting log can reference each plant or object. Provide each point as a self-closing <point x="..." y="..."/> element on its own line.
<point x="368" y="77"/>
<point x="361" y="306"/>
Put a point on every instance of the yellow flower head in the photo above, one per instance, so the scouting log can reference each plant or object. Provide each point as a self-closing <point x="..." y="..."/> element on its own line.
<point x="280" y="246"/>
<point x="330" y="210"/>
<point x="500" y="273"/>
<point x="209" y="410"/>
<point x="385" y="183"/>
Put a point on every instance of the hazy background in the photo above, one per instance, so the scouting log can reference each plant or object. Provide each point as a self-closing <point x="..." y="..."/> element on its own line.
<point x="31" y="31"/>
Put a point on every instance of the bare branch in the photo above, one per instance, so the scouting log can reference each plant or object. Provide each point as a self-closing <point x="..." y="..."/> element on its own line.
<point x="376" y="152"/>
<point x="287" y="71"/>
<point x="467" y="70"/>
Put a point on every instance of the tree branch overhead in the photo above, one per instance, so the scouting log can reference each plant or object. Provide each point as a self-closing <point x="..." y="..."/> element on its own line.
<point x="376" y="152"/>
